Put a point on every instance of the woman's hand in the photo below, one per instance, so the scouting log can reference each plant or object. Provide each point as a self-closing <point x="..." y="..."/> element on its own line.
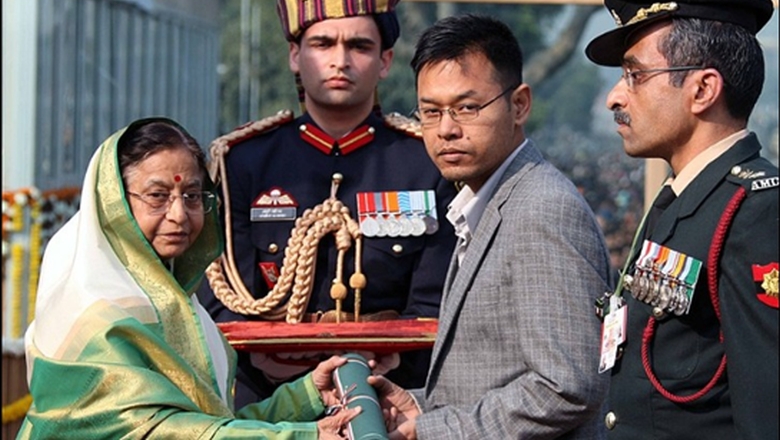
<point x="323" y="379"/>
<point x="332" y="427"/>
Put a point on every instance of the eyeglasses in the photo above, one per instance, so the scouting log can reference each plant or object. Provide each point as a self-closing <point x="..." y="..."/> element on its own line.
<point x="431" y="116"/>
<point x="633" y="78"/>
<point x="196" y="202"/>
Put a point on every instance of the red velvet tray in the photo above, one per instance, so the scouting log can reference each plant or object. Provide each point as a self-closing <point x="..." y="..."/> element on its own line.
<point x="378" y="336"/>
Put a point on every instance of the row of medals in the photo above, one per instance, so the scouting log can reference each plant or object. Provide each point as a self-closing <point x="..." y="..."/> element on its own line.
<point x="657" y="289"/>
<point x="398" y="225"/>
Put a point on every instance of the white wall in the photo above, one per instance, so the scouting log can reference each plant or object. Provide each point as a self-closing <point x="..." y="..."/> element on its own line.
<point x="19" y="72"/>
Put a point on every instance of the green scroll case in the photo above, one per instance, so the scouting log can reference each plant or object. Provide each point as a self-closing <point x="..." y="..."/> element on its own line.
<point x="350" y="379"/>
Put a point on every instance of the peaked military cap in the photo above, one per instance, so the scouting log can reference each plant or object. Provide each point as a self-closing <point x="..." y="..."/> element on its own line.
<point x="631" y="15"/>
<point x="297" y="15"/>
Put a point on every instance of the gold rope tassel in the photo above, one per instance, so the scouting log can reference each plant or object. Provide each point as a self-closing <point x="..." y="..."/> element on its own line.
<point x="297" y="271"/>
<point x="291" y="294"/>
<point x="338" y="291"/>
<point x="358" y="280"/>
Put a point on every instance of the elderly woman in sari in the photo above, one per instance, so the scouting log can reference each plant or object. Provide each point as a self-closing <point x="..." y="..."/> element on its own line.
<point x="120" y="346"/>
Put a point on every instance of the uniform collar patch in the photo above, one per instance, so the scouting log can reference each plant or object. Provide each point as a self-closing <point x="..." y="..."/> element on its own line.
<point x="320" y="140"/>
<point x="766" y="279"/>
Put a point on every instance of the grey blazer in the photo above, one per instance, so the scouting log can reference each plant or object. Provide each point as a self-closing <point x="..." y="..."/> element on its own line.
<point x="517" y="350"/>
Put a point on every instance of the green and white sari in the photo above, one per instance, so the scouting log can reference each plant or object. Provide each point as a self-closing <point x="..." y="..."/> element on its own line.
<point x="120" y="346"/>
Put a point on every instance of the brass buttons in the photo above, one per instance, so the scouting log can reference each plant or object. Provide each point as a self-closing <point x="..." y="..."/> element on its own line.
<point x="610" y="420"/>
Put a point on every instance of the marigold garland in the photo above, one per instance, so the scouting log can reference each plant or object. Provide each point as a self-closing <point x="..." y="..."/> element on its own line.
<point x="16" y="410"/>
<point x="17" y="219"/>
<point x="17" y="273"/>
<point x="36" y="229"/>
<point x="26" y="228"/>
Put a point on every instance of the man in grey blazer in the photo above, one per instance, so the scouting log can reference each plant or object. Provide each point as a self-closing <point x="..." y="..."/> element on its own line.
<point x="517" y="350"/>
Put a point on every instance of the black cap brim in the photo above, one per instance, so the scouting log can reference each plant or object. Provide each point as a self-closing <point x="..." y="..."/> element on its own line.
<point x="607" y="49"/>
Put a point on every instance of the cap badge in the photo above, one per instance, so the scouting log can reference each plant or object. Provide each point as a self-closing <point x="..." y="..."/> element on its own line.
<point x="644" y="13"/>
<point x="616" y="17"/>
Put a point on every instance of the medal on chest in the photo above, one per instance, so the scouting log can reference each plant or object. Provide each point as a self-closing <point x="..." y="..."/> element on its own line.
<point x="397" y="213"/>
<point x="664" y="278"/>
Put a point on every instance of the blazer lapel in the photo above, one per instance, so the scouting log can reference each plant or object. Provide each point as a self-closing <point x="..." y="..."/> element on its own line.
<point x="459" y="280"/>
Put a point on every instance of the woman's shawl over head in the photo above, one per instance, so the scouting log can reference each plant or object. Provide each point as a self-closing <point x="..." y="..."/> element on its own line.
<point x="114" y="329"/>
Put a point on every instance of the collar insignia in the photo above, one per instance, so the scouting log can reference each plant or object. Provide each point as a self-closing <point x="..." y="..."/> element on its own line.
<point x="349" y="143"/>
<point x="745" y="173"/>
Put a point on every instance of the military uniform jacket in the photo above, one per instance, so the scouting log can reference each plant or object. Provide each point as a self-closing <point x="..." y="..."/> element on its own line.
<point x="685" y="352"/>
<point x="405" y="274"/>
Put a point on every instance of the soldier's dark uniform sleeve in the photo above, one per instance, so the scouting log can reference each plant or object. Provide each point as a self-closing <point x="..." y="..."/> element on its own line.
<point x="750" y="326"/>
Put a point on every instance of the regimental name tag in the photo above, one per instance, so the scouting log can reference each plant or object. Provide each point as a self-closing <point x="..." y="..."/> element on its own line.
<point x="272" y="214"/>
<point x="771" y="182"/>
<point x="397" y="213"/>
<point x="273" y="205"/>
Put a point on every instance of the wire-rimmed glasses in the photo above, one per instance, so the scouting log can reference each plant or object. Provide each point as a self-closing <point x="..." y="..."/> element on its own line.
<point x="430" y="116"/>
<point x="635" y="77"/>
<point x="159" y="202"/>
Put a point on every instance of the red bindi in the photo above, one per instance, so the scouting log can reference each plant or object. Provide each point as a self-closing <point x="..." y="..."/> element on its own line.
<point x="177" y="178"/>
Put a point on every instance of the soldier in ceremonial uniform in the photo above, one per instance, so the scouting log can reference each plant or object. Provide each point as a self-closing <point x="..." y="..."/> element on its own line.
<point x="339" y="51"/>
<point x="699" y="294"/>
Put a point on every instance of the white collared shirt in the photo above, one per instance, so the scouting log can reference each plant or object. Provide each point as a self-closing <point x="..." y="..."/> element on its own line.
<point x="467" y="208"/>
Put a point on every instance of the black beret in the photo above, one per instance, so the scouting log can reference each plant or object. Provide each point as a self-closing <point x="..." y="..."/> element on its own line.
<point x="631" y="15"/>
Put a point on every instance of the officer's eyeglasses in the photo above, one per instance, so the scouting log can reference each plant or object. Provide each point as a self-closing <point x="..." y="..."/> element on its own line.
<point x="430" y="116"/>
<point x="635" y="77"/>
<point x="195" y="202"/>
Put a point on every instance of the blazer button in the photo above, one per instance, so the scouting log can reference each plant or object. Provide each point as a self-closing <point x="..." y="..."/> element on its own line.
<point x="397" y="248"/>
<point x="610" y="420"/>
<point x="273" y="248"/>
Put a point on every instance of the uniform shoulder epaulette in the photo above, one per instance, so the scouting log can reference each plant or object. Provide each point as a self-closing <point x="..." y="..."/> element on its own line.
<point x="220" y="146"/>
<point x="755" y="175"/>
<point x="404" y="124"/>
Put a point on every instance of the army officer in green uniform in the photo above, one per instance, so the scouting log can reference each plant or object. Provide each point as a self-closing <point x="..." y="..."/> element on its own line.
<point x="699" y="354"/>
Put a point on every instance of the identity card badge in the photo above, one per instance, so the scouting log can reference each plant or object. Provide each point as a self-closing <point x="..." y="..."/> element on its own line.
<point x="613" y="333"/>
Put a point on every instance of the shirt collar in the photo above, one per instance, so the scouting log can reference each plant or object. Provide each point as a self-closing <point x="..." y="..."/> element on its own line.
<point x="467" y="208"/>
<point x="695" y="166"/>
